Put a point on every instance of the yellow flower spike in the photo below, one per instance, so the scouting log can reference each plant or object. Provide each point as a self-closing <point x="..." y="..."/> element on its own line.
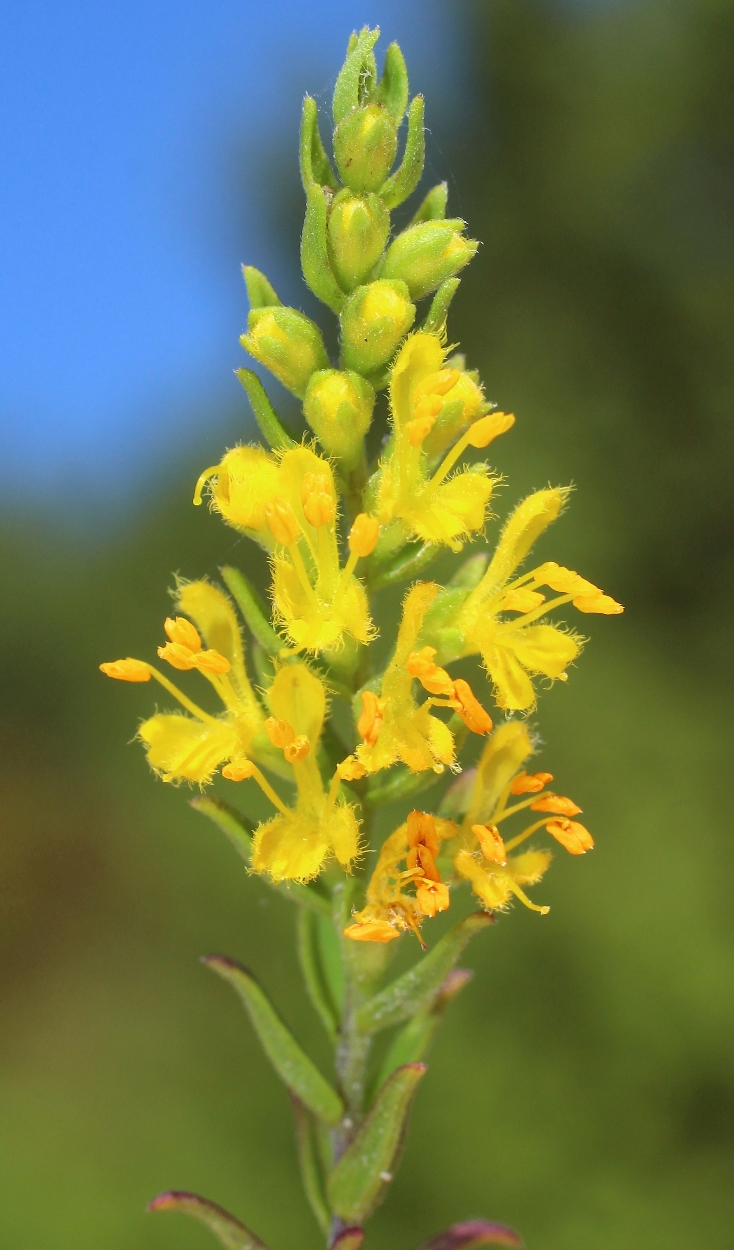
<point x="393" y="725"/>
<point x="126" y="670"/>
<point x="295" y="843"/>
<point x="429" y="507"/>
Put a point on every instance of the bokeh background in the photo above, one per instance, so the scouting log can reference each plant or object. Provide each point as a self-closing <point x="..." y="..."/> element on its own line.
<point x="583" y="1087"/>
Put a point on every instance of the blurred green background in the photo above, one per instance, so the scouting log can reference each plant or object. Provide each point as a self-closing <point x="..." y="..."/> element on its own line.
<point x="582" y="1088"/>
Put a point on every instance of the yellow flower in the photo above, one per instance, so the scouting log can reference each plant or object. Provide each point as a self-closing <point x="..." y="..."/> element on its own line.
<point x="436" y="508"/>
<point x="289" y="502"/>
<point x="294" y="843"/>
<point x="389" y="910"/>
<point x="514" y="649"/>
<point x="481" y="854"/>
<point x="191" y="748"/>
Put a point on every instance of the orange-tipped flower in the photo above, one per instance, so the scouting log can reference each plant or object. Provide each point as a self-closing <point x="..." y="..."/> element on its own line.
<point x="364" y="534"/>
<point x="576" y="839"/>
<point x="530" y="783"/>
<point x="126" y="670"/>
<point x="557" y="804"/>
<point x="471" y="711"/>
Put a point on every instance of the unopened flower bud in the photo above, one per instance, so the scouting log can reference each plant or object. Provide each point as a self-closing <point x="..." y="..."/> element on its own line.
<point x="364" y="534"/>
<point x="365" y="146"/>
<point x="357" y="230"/>
<point x="424" y="255"/>
<point x="281" y="521"/>
<point x="373" y="321"/>
<point x="338" y="407"/>
<point x="287" y="343"/>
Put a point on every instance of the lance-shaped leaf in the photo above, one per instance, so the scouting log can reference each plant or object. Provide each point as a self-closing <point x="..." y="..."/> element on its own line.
<point x="392" y="90"/>
<point x="315" y="165"/>
<point x="260" y="291"/>
<point x="415" y="989"/>
<point x="472" y="1234"/>
<point x="308" y="1158"/>
<point x="414" y="1039"/>
<point x="404" y="181"/>
<point x="439" y="310"/>
<point x="252" y="608"/>
<point x="314" y="253"/>
<point x="231" y="1234"/>
<point x="235" y="826"/>
<point x="270" y="425"/>
<point x="355" y="76"/>
<point x="367" y="1165"/>
<point x="405" y="565"/>
<point x="317" y="960"/>
<point x="291" y="1063"/>
<point x="433" y="207"/>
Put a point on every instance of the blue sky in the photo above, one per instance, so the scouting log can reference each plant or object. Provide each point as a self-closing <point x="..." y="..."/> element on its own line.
<point x="120" y="233"/>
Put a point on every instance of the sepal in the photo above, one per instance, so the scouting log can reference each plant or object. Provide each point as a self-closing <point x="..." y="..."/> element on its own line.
<point x="471" y="1235"/>
<point x="253" y="610"/>
<point x="265" y="415"/>
<point x="437" y="314"/>
<point x="404" y="181"/>
<point x="229" y="1231"/>
<point x="361" y="1176"/>
<point x="315" y="164"/>
<point x="415" y="988"/>
<point x="433" y="207"/>
<point x="260" y="292"/>
<point x="315" y="261"/>
<point x="392" y="90"/>
<point x="292" y="1064"/>
<point x="356" y="76"/>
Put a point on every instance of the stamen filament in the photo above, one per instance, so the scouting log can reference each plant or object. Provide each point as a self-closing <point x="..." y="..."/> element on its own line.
<point x="267" y="789"/>
<point x="524" y="898"/>
<point x="188" y="703"/>
<point x="526" y="833"/>
<point x="347" y="572"/>
<point x="449" y="460"/>
<point x="503" y="813"/>
<point x="529" y="617"/>
<point x="303" y="578"/>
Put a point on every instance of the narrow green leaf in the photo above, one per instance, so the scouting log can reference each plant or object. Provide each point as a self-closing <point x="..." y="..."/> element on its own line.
<point x="229" y="1231"/>
<point x="404" y="181"/>
<point x="314" y="253"/>
<point x="315" y="164"/>
<point x="308" y="1158"/>
<point x="412" y="991"/>
<point x="439" y="310"/>
<point x="314" y="974"/>
<point x="239" y="832"/>
<point x="433" y="207"/>
<point x="260" y="292"/>
<point x="402" y="784"/>
<point x="414" y="1039"/>
<point x="366" y="1167"/>
<point x="472" y="1234"/>
<point x="270" y="426"/>
<point x="351" y="84"/>
<point x="291" y="1063"/>
<point x="405" y="565"/>
<point x="392" y="90"/>
<point x="252" y="608"/>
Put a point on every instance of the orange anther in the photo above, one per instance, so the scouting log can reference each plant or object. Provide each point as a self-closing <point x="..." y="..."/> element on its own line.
<point x="435" y="680"/>
<point x="319" y="505"/>
<point x="471" y="711"/>
<point x="490" y="840"/>
<point x="297" y="750"/>
<point x="427" y="406"/>
<point x="432" y="897"/>
<point x="419" y="429"/>
<point x="211" y="662"/>
<point x="565" y="581"/>
<point x="555" y="803"/>
<point x="281" y="521"/>
<point x="422" y="831"/>
<point x="372" y="931"/>
<point x="279" y="732"/>
<point x="126" y="670"/>
<point x="178" y="656"/>
<point x="370" y="722"/>
<point x="436" y="383"/>
<point x="483" y="431"/>
<point x="530" y="783"/>
<point x="598" y="603"/>
<point x="364" y="534"/>
<point x="572" y="835"/>
<point x="238" y="770"/>
<point x="522" y="600"/>
<point x="182" y="631"/>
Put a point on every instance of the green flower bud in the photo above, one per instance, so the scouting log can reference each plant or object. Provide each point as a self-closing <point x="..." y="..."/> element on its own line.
<point x="338" y="407"/>
<point x="357" y="233"/>
<point x="365" y="146"/>
<point x="287" y="343"/>
<point x="373" y="321"/>
<point x="425" y="255"/>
